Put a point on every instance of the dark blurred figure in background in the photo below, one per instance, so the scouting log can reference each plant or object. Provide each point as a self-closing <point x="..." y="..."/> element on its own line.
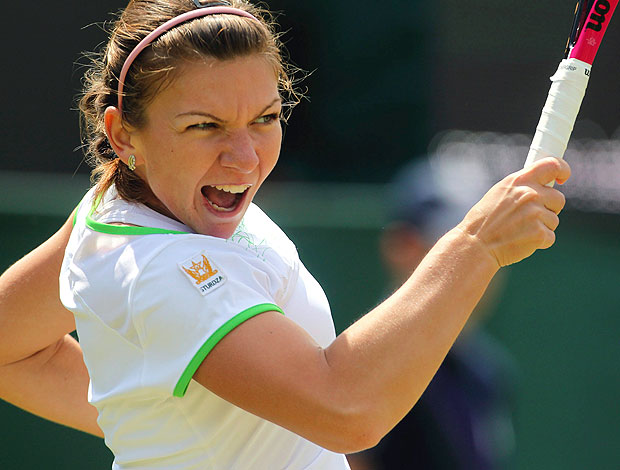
<point x="464" y="419"/>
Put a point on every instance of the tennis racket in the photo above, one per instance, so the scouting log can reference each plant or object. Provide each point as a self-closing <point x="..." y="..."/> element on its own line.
<point x="570" y="81"/>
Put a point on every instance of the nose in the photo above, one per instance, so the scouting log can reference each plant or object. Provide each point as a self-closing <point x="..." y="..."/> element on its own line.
<point x="240" y="153"/>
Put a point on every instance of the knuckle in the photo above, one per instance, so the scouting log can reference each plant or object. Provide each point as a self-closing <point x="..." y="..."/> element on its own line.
<point x="541" y="233"/>
<point x="552" y="163"/>
<point x="519" y="178"/>
<point x="536" y="213"/>
<point x="551" y="167"/>
<point x="528" y="195"/>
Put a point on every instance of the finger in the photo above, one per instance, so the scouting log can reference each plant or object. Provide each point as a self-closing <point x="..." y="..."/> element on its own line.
<point x="548" y="238"/>
<point x="566" y="175"/>
<point x="553" y="199"/>
<point x="550" y="220"/>
<point x="549" y="170"/>
<point x="543" y="232"/>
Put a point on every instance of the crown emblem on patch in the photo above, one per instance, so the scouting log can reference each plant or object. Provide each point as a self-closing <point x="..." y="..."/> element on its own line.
<point x="203" y="272"/>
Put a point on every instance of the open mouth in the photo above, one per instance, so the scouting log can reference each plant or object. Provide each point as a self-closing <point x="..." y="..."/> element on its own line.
<point x="224" y="198"/>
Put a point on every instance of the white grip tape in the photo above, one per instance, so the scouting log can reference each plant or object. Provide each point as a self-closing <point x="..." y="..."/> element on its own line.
<point x="558" y="116"/>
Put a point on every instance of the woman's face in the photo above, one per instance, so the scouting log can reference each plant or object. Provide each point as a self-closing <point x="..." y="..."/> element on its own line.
<point x="211" y="138"/>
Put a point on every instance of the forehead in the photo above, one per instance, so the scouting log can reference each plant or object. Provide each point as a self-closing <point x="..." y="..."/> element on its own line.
<point x="245" y="81"/>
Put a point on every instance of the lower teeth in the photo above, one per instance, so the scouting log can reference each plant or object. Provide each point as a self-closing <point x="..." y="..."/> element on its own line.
<point x="221" y="209"/>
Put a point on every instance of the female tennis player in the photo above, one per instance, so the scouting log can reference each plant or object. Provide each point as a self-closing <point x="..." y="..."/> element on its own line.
<point x="204" y="342"/>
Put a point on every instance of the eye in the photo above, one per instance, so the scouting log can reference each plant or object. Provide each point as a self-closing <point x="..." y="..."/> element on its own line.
<point x="268" y="118"/>
<point x="204" y="126"/>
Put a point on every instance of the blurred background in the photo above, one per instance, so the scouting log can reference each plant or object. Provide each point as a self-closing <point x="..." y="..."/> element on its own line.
<point x="388" y="83"/>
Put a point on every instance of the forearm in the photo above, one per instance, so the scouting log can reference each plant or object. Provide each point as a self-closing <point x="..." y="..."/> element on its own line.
<point x="391" y="354"/>
<point x="53" y="384"/>
<point x="348" y="396"/>
<point x="383" y="362"/>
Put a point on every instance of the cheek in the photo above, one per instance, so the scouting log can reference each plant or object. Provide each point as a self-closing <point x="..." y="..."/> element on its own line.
<point x="168" y="160"/>
<point x="271" y="150"/>
<point x="157" y="152"/>
<point x="168" y="175"/>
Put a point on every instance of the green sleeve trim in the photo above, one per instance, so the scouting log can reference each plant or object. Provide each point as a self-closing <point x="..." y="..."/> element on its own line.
<point x="215" y="338"/>
<point x="121" y="229"/>
<point x="125" y="229"/>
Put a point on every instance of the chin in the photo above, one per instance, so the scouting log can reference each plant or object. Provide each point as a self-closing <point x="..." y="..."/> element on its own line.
<point x="222" y="230"/>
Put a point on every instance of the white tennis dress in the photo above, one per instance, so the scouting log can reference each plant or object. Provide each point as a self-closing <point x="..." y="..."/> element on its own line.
<point x="150" y="301"/>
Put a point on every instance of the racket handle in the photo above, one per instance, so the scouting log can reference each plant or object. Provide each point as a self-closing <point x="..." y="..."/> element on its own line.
<point x="558" y="116"/>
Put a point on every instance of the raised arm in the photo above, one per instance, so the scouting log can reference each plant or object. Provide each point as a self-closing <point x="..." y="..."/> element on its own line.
<point x="348" y="396"/>
<point x="31" y="315"/>
<point x="41" y="365"/>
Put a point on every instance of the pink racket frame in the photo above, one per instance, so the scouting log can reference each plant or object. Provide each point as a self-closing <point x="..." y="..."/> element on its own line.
<point x="587" y="45"/>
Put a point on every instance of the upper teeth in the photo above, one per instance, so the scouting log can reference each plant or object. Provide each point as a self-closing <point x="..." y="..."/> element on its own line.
<point x="234" y="189"/>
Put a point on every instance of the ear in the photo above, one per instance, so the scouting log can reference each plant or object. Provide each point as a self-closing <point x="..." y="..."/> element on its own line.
<point x="120" y="138"/>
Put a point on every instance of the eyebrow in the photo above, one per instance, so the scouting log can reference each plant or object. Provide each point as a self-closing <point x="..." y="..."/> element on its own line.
<point x="215" y="118"/>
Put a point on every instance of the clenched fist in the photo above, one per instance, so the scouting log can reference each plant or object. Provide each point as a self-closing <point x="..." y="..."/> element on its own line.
<point x="520" y="213"/>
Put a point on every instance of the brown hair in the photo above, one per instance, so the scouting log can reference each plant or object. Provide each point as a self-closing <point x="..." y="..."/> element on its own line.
<point x="219" y="36"/>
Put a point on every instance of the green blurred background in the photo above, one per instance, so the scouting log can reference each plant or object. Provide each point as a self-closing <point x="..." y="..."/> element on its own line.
<point x="386" y="77"/>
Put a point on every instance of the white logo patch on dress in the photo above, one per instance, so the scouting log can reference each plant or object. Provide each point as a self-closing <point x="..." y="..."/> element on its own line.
<point x="203" y="273"/>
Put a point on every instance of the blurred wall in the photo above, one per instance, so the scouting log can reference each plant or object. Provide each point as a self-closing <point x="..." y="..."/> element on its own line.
<point x="42" y="43"/>
<point x="495" y="59"/>
<point x="368" y="97"/>
<point x="559" y="318"/>
<point x="383" y="79"/>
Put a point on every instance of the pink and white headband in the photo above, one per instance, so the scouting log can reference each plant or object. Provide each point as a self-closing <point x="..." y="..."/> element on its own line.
<point x="211" y="8"/>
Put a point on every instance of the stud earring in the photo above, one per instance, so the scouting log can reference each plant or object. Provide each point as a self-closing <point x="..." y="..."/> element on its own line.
<point x="131" y="162"/>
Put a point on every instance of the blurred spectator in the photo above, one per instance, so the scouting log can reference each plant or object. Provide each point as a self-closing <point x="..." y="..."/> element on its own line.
<point x="464" y="419"/>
